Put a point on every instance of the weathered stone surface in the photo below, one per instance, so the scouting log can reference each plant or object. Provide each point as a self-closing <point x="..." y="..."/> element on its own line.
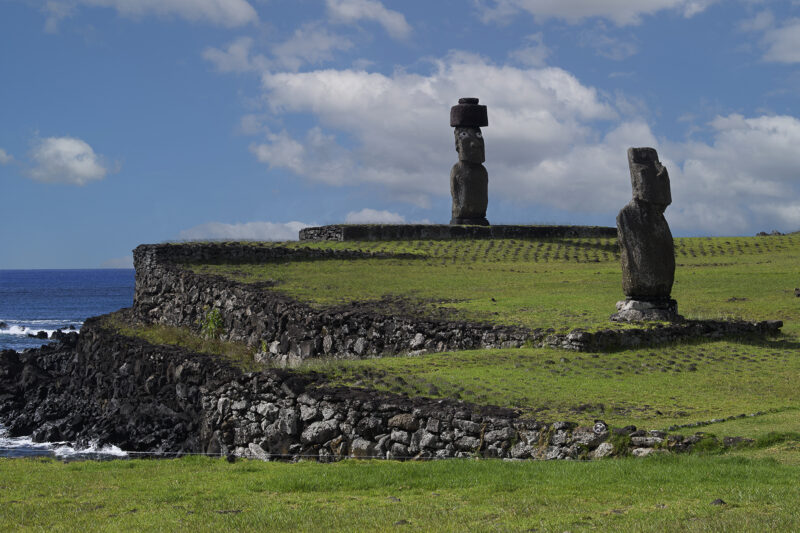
<point x="605" y="449"/>
<point x="319" y="432"/>
<point x="469" y="180"/>
<point x="649" y="178"/>
<point x="404" y="421"/>
<point x="647" y="253"/>
<point x="646" y="452"/>
<point x="468" y="113"/>
<point x="395" y="232"/>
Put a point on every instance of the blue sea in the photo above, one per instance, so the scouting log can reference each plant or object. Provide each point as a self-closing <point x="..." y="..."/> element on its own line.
<point x="47" y="300"/>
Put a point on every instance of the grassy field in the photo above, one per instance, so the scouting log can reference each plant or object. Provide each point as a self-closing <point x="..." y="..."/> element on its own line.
<point x="561" y="284"/>
<point x="196" y="494"/>
<point x="565" y="284"/>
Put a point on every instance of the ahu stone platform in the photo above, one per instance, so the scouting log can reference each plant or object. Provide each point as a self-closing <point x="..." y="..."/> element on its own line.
<point x="397" y="232"/>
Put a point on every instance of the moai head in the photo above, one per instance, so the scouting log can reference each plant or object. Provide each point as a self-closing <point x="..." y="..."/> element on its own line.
<point x="469" y="145"/>
<point x="649" y="178"/>
<point x="467" y="118"/>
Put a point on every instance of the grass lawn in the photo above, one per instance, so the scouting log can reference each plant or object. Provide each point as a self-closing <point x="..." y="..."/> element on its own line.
<point x="198" y="494"/>
<point x="560" y="284"/>
<point x="563" y="284"/>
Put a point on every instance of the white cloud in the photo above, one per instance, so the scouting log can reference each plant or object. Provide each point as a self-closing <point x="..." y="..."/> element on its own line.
<point x="552" y="143"/>
<point x="354" y="10"/>
<point x="319" y="157"/>
<point x="118" y="262"/>
<point x="621" y="12"/>
<point x="762" y="20"/>
<point x="606" y="45"/>
<point x="533" y="54"/>
<point x="783" y="44"/>
<point x="248" y="231"/>
<point x="5" y="157"/>
<point x="236" y="57"/>
<point x="400" y="127"/>
<point x="372" y="216"/>
<point x="745" y="180"/>
<point x="228" y="13"/>
<point x="310" y="43"/>
<point x="56" y="11"/>
<point x="66" y="160"/>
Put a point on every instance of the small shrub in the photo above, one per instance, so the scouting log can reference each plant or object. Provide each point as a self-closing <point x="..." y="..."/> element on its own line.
<point x="211" y="325"/>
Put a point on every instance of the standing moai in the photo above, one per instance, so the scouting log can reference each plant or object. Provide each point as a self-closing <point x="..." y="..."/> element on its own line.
<point x="469" y="181"/>
<point x="647" y="252"/>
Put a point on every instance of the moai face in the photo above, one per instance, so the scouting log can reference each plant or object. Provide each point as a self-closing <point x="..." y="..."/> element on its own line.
<point x="469" y="145"/>
<point x="649" y="178"/>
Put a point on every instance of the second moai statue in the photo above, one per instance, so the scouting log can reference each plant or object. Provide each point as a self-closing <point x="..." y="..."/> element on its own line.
<point x="647" y="252"/>
<point x="469" y="181"/>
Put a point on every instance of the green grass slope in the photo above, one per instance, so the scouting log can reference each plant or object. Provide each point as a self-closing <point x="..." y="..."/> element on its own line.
<point x="564" y="284"/>
<point x="560" y="284"/>
<point x="662" y="494"/>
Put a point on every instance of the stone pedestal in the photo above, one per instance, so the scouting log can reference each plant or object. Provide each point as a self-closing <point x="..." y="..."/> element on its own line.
<point x="631" y="310"/>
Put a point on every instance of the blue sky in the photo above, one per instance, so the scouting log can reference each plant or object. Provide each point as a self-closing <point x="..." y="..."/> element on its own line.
<point x="132" y="121"/>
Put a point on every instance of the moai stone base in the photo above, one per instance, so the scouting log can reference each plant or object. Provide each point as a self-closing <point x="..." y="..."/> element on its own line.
<point x="469" y="181"/>
<point x="647" y="253"/>
<point x="631" y="310"/>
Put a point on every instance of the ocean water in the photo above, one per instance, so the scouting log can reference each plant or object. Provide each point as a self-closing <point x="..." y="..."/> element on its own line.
<point x="47" y="300"/>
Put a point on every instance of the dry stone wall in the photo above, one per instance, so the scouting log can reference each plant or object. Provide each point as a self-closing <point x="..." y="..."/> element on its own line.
<point x="168" y="293"/>
<point x="114" y="389"/>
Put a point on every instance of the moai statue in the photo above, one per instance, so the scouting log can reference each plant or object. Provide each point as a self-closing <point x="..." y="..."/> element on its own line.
<point x="469" y="181"/>
<point x="646" y="249"/>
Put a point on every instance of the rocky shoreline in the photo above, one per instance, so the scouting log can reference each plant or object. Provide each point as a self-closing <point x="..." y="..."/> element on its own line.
<point x="107" y="388"/>
<point x="100" y="387"/>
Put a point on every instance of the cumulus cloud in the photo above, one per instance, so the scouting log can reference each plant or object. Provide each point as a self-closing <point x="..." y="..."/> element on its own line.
<point x="66" y="160"/>
<point x="399" y="122"/>
<point x="228" y="13"/>
<point x="373" y="216"/>
<point x="248" y="231"/>
<point x="532" y="54"/>
<point x="783" y="43"/>
<point x="621" y="12"/>
<point x="311" y="44"/>
<point x="552" y="143"/>
<point x="5" y="157"/>
<point x="350" y="11"/>
<point x="236" y="57"/>
<point x="745" y="178"/>
<point x="780" y="42"/>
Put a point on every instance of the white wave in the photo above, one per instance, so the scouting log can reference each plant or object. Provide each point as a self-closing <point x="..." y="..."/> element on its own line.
<point x="31" y="328"/>
<point x="21" y="446"/>
<point x="66" y="451"/>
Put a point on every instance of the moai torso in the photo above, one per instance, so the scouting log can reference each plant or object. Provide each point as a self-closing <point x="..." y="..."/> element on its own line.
<point x="647" y="252"/>
<point x="469" y="181"/>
